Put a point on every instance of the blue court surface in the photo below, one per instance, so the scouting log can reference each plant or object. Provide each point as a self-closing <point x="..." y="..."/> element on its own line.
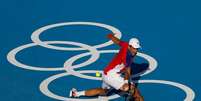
<point x="51" y="46"/>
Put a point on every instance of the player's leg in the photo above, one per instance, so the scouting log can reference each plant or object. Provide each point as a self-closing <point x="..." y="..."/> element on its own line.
<point x="91" y="92"/>
<point x="137" y="95"/>
<point x="95" y="92"/>
<point x="98" y="91"/>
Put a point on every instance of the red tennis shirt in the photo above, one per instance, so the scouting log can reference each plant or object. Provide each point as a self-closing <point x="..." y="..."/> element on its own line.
<point x="119" y="58"/>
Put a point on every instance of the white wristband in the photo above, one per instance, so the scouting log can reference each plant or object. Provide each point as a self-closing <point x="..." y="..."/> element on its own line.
<point x="125" y="81"/>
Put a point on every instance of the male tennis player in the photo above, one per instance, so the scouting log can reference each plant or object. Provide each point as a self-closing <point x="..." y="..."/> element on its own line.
<point x="112" y="74"/>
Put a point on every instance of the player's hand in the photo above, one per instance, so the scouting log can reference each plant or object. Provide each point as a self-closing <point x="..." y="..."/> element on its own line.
<point x="110" y="35"/>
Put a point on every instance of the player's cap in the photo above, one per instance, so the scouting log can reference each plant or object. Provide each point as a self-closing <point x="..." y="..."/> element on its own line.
<point x="134" y="42"/>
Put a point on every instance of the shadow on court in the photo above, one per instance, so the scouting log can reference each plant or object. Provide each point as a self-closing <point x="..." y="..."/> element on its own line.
<point x="138" y="68"/>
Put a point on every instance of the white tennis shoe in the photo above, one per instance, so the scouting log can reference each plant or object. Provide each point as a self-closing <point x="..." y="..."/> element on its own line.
<point x="73" y="93"/>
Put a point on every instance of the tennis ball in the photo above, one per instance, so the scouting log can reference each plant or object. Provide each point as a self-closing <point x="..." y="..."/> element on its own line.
<point x="98" y="74"/>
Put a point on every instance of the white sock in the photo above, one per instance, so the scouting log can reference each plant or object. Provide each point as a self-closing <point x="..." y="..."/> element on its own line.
<point x="80" y="93"/>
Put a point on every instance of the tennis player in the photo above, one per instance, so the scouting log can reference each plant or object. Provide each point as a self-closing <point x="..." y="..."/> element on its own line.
<point x="112" y="73"/>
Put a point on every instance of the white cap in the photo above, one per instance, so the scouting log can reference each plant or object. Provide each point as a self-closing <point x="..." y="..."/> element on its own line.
<point x="134" y="42"/>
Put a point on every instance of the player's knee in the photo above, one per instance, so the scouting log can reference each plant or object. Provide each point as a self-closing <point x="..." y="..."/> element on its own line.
<point x="125" y="87"/>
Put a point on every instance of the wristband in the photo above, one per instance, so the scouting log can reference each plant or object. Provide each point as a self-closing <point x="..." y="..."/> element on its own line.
<point x="125" y="81"/>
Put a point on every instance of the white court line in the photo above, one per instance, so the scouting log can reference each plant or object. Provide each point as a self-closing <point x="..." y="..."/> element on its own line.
<point x="190" y="95"/>
<point x="11" y="57"/>
<point x="36" y="34"/>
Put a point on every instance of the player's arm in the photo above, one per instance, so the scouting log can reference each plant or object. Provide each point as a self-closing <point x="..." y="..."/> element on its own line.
<point x="114" y="39"/>
<point x="127" y="73"/>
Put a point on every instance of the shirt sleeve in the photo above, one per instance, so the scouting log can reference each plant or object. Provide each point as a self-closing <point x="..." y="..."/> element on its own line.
<point x="122" y="43"/>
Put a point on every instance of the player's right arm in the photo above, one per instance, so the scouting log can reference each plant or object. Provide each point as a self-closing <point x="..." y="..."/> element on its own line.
<point x="114" y="39"/>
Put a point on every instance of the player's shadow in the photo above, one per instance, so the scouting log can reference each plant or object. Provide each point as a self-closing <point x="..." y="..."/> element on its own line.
<point x="138" y="68"/>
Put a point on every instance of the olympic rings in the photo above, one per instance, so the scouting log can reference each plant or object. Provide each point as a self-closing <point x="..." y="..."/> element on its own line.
<point x="190" y="95"/>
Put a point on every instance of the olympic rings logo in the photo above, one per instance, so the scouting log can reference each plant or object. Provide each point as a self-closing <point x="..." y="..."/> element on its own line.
<point x="94" y="52"/>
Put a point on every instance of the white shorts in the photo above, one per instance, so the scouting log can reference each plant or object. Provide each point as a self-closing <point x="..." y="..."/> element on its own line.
<point x="113" y="79"/>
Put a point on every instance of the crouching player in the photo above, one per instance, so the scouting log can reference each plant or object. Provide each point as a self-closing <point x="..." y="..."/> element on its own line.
<point x="112" y="74"/>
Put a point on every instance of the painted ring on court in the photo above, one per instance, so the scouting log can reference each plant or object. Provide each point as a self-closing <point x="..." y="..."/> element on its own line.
<point x="190" y="95"/>
<point x="70" y="68"/>
<point x="36" y="34"/>
<point x="44" y="88"/>
<point x="11" y="57"/>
